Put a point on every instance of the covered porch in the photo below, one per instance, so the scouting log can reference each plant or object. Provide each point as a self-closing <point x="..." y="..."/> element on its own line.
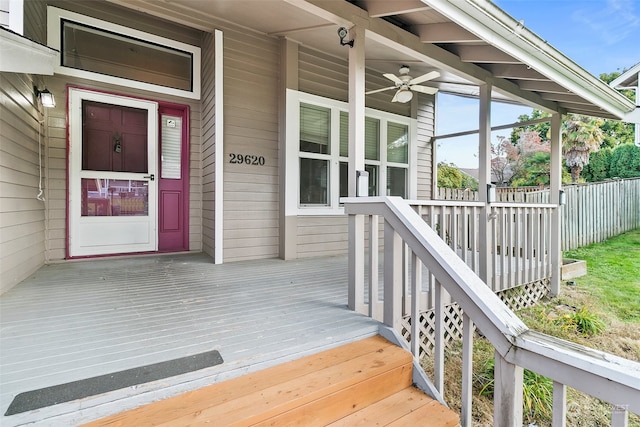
<point x="79" y="320"/>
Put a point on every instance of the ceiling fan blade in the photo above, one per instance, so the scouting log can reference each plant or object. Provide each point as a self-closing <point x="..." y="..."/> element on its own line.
<point x="423" y="78"/>
<point x="395" y="97"/>
<point x="393" y="78"/>
<point x="423" y="89"/>
<point x="379" y="90"/>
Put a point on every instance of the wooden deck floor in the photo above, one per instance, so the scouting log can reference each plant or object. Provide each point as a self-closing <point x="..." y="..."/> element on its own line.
<point x="78" y="320"/>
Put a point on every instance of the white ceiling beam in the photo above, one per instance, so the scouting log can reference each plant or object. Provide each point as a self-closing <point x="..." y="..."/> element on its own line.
<point x="484" y="54"/>
<point x="542" y="86"/>
<point x="515" y="72"/>
<point x="382" y="8"/>
<point x="565" y="98"/>
<point x="444" y="32"/>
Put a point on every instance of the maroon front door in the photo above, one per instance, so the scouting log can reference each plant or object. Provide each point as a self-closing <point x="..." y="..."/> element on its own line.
<point x="173" y="180"/>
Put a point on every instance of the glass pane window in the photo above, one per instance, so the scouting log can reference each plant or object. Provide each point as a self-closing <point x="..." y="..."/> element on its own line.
<point x="397" y="182"/>
<point x="397" y="143"/>
<point x="344" y="179"/>
<point x="114" y="197"/>
<point x="314" y="182"/>
<point x="315" y="129"/>
<point x="93" y="49"/>
<point x="171" y="147"/>
<point x="344" y="134"/>
<point x="373" y="179"/>
<point x="371" y="139"/>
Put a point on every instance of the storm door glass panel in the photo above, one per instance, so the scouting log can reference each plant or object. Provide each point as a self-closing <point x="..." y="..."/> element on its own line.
<point x="95" y="50"/>
<point x="171" y="155"/>
<point x="397" y="182"/>
<point x="114" y="197"/>
<point x="114" y="138"/>
<point x="315" y="128"/>
<point x="397" y="143"/>
<point x="314" y="189"/>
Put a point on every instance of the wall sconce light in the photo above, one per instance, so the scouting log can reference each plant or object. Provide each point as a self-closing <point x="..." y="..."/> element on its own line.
<point x="343" y="33"/>
<point x="562" y="200"/>
<point x="46" y="98"/>
<point x="491" y="193"/>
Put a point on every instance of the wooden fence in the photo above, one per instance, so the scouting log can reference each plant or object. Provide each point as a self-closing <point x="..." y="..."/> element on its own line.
<point x="593" y="212"/>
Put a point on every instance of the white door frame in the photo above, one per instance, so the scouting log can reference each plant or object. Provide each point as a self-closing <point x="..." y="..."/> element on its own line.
<point x="94" y="235"/>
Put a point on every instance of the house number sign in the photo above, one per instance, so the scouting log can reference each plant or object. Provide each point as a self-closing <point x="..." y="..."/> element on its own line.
<point x="246" y="159"/>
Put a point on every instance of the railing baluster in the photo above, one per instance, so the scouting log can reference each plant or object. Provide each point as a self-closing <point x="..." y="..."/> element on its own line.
<point x="416" y="285"/>
<point x="438" y="352"/>
<point x="373" y="267"/>
<point x="619" y="416"/>
<point x="392" y="277"/>
<point x="559" y="417"/>
<point x="467" y="371"/>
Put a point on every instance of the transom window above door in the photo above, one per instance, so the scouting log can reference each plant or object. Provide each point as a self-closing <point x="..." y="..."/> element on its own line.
<point x="100" y="50"/>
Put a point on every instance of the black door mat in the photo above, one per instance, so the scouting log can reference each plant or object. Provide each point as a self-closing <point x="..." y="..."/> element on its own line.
<point x="53" y="395"/>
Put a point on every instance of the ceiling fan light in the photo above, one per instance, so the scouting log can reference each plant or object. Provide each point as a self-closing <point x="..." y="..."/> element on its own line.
<point x="404" y="95"/>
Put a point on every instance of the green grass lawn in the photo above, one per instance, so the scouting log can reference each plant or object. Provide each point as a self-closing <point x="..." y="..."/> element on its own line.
<point x="613" y="274"/>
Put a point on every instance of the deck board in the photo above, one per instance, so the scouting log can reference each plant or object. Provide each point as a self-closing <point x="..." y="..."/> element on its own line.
<point x="78" y="320"/>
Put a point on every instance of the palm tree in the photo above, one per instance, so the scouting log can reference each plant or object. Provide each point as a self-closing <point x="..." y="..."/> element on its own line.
<point x="581" y="136"/>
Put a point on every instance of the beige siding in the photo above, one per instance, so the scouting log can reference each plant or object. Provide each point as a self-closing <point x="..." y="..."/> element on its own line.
<point x="426" y="120"/>
<point x="322" y="236"/>
<point x="251" y="192"/>
<point x="22" y="216"/>
<point x="208" y="144"/>
<point x="327" y="76"/>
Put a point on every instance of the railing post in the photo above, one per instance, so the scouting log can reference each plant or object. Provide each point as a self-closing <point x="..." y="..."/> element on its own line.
<point x="507" y="393"/>
<point x="393" y="282"/>
<point x="559" y="417"/>
<point x="555" y="242"/>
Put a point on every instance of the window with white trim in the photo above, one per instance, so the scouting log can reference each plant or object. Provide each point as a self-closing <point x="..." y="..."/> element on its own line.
<point x="323" y="153"/>
<point x="100" y="50"/>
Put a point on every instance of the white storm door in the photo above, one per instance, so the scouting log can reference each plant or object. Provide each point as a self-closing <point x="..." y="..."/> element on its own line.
<point x="112" y="174"/>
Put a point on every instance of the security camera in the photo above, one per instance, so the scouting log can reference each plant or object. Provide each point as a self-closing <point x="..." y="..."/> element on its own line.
<point x="342" y="33"/>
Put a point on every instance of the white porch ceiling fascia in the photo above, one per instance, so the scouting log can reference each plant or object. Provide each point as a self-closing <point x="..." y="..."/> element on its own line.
<point x="493" y="25"/>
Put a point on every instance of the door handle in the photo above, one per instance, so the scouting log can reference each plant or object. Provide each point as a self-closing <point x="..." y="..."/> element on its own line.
<point x="151" y="177"/>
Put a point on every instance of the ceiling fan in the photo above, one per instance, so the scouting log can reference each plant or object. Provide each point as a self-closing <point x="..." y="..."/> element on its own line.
<point x="405" y="85"/>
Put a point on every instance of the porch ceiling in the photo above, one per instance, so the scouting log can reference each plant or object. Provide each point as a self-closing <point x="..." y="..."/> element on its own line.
<point x="467" y="42"/>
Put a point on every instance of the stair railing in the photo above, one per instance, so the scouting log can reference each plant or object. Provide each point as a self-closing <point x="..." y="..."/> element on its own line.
<point x="607" y="377"/>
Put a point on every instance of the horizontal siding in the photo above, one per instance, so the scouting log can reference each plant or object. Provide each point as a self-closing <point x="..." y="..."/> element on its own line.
<point x="208" y="144"/>
<point x="251" y="192"/>
<point x="324" y="75"/>
<point x="426" y="130"/>
<point x="322" y="235"/>
<point x="22" y="216"/>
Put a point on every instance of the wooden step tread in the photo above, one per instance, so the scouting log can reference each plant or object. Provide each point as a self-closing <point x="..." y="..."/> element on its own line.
<point x="277" y="390"/>
<point x="408" y="407"/>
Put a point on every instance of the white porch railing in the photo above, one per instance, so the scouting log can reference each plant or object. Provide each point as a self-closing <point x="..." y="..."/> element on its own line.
<point x="518" y="244"/>
<point x="602" y="375"/>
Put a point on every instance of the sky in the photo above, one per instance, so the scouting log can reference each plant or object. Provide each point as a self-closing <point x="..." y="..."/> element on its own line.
<point x="601" y="36"/>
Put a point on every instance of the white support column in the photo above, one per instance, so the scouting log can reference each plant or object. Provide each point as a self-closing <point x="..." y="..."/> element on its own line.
<point x="484" y="178"/>
<point x="356" y="162"/>
<point x="555" y="241"/>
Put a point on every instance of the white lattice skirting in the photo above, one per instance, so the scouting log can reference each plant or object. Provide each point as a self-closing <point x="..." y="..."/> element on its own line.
<point x="516" y="298"/>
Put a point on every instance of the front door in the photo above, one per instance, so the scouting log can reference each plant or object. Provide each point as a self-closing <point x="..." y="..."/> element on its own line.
<point x="112" y="174"/>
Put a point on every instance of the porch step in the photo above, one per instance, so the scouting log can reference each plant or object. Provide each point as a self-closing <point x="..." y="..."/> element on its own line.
<point x="365" y="382"/>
